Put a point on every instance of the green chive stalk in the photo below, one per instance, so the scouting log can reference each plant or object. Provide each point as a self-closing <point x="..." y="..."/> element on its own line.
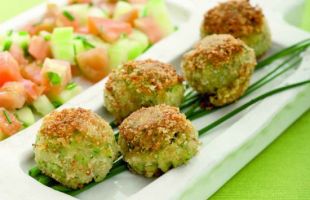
<point x="248" y="104"/>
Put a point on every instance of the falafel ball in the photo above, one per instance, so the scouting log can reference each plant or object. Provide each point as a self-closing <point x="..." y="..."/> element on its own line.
<point x="75" y="146"/>
<point x="220" y="67"/>
<point x="141" y="84"/>
<point x="242" y="20"/>
<point x="156" y="139"/>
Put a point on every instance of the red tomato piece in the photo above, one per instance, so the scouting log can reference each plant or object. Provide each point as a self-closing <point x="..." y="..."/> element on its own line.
<point x="9" y="69"/>
<point x="137" y="1"/>
<point x="32" y="90"/>
<point x="79" y="1"/>
<point x="149" y="26"/>
<point x="12" y="95"/>
<point x="39" y="48"/>
<point x="63" y="21"/>
<point x="109" y="30"/>
<point x="9" y="125"/>
<point x="32" y="72"/>
<point x="94" y="64"/>
<point x="130" y="17"/>
<point x="18" y="53"/>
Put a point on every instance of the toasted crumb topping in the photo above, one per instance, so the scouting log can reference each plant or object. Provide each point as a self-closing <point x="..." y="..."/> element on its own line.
<point x="62" y="124"/>
<point x="153" y="127"/>
<point x="214" y="49"/>
<point x="146" y="75"/>
<point x="236" y="17"/>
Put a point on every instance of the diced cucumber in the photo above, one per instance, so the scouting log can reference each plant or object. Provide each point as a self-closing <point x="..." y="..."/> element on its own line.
<point x="97" y="41"/>
<point x="43" y="105"/>
<point x="117" y="54"/>
<point x="97" y="12"/>
<point x="25" y="115"/>
<point x="83" y="11"/>
<point x="124" y="50"/>
<point x="135" y="49"/>
<point x="62" y="44"/>
<point x="158" y="10"/>
<point x="140" y="37"/>
<point x="121" y="8"/>
<point x="67" y="94"/>
<point x="78" y="46"/>
<point x="79" y="10"/>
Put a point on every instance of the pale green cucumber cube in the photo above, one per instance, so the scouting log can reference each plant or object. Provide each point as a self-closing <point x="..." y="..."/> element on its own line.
<point x="43" y="105"/>
<point x="25" y="115"/>
<point x="62" y="44"/>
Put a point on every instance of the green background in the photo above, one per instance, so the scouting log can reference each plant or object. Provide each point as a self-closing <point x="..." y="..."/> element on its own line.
<point x="282" y="171"/>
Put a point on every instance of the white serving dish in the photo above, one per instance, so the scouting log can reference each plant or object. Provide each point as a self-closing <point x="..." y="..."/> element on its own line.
<point x="225" y="150"/>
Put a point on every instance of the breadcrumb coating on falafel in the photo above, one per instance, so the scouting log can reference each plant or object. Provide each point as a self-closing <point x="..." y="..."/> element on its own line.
<point x="236" y="17"/>
<point x="149" y="129"/>
<point x="64" y="123"/>
<point x="216" y="49"/>
<point x="159" y="75"/>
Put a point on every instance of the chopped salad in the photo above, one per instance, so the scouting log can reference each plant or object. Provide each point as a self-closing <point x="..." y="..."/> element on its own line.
<point x="84" y="38"/>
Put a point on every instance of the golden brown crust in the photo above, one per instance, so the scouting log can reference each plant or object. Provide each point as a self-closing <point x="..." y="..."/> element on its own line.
<point x="153" y="127"/>
<point x="236" y="17"/>
<point x="62" y="124"/>
<point x="159" y="75"/>
<point x="215" y="49"/>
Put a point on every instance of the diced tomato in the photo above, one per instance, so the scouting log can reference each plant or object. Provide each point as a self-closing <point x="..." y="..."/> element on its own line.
<point x="108" y="6"/>
<point x="63" y="21"/>
<point x="39" y="48"/>
<point x="52" y="10"/>
<point x="9" y="69"/>
<point x="17" y="52"/>
<point x="9" y="125"/>
<point x="56" y="74"/>
<point x="109" y="30"/>
<point x="12" y="95"/>
<point x="47" y="24"/>
<point x="32" y="90"/>
<point x="130" y="17"/>
<point x="82" y="30"/>
<point x="94" y="64"/>
<point x="79" y="1"/>
<point x="32" y="72"/>
<point x="149" y="26"/>
<point x="137" y="1"/>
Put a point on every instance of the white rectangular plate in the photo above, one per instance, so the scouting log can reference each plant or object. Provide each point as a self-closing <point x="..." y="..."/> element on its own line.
<point x="224" y="151"/>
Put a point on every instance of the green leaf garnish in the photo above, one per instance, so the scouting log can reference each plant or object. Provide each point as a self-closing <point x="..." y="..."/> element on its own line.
<point x="56" y="104"/>
<point x="7" y="45"/>
<point x="47" y="37"/>
<point x="54" y="78"/>
<point x="23" y="33"/>
<point x="7" y="117"/>
<point x="68" y="15"/>
<point x="86" y="43"/>
<point x="71" y="86"/>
